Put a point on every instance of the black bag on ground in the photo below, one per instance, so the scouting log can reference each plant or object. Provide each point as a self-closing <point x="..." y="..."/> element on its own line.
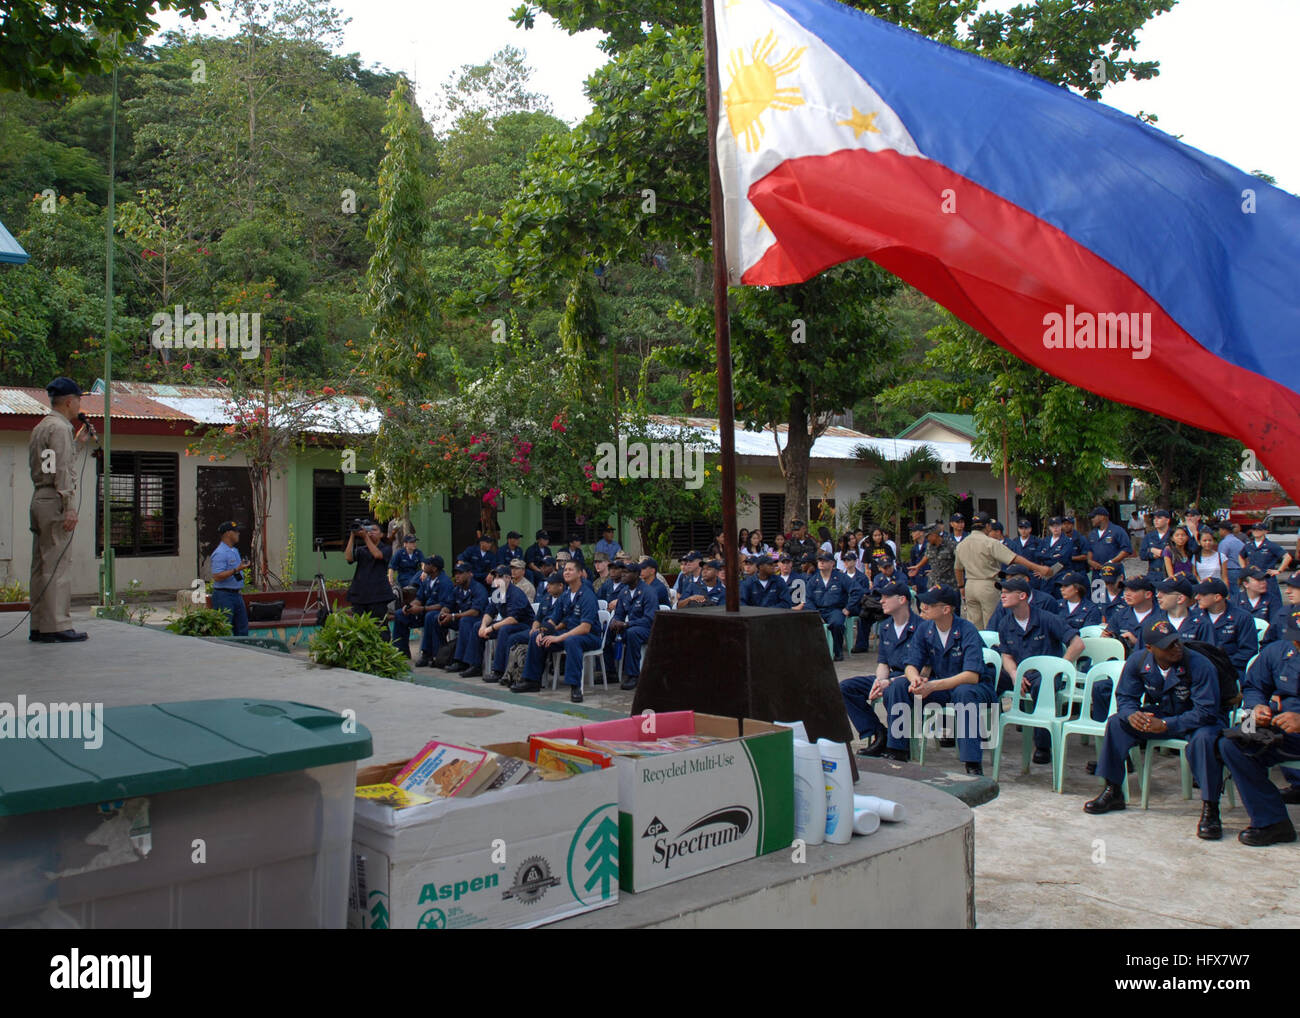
<point x="265" y="611"/>
<point x="443" y="658"/>
<point x="515" y="664"/>
<point x="1229" y="689"/>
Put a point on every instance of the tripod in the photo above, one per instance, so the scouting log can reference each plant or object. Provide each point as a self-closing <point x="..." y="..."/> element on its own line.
<point x="317" y="597"/>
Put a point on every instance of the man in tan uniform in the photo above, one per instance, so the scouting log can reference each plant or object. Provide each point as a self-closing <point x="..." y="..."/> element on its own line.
<point x="52" y="458"/>
<point x="979" y="558"/>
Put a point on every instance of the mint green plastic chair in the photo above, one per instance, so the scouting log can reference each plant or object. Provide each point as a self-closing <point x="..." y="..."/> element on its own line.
<point x="1261" y="627"/>
<point x="989" y="637"/>
<point x="1185" y="771"/>
<point x="1096" y="649"/>
<point x="1044" y="715"/>
<point x="1085" y="725"/>
<point x="1090" y="631"/>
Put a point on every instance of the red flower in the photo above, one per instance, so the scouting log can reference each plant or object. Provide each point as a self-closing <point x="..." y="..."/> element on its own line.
<point x="557" y="424"/>
<point x="597" y="486"/>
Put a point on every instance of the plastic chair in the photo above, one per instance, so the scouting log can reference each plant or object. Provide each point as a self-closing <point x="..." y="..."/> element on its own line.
<point x="586" y="656"/>
<point x="602" y="604"/>
<point x="989" y="637"/>
<point x="1043" y="715"/>
<point x="1090" y="631"/>
<point x="1261" y="627"/>
<point x="1096" y="649"/>
<point x="1085" y="725"/>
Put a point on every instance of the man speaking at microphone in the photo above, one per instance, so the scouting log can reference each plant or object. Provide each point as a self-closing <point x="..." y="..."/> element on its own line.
<point x="51" y="455"/>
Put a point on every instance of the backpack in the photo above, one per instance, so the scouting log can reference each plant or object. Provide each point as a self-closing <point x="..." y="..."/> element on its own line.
<point x="515" y="665"/>
<point x="1229" y="690"/>
<point x="443" y="658"/>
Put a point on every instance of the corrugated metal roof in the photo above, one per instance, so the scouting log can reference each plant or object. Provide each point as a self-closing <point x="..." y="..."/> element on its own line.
<point x="126" y="406"/>
<point x="836" y="444"/>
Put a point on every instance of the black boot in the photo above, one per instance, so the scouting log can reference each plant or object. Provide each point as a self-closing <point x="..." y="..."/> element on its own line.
<point x="1211" y="827"/>
<point x="424" y="662"/>
<point x="473" y="672"/>
<point x="875" y="747"/>
<point x="975" y="768"/>
<point x="1111" y="798"/>
<point x="900" y="755"/>
<point x="1273" y="834"/>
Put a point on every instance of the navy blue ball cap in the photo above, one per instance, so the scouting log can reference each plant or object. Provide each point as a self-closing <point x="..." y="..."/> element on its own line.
<point x="484" y="538"/>
<point x="1024" y="525"/>
<point x="1111" y="573"/>
<point x="849" y="556"/>
<point x="555" y="578"/>
<point x="433" y="560"/>
<point x="411" y="538"/>
<point x="942" y="594"/>
<point x="1067" y="519"/>
<point x="229" y="525"/>
<point x="714" y="563"/>
<point x="1214" y="585"/>
<point x="1074" y="580"/>
<point x="1294" y="579"/>
<point x="1177" y="585"/>
<point x="62" y="386"/>
<point x="648" y="563"/>
<point x="1162" y="512"/>
<point x="825" y="556"/>
<point x="1100" y="510"/>
<point x="1255" y="573"/>
<point x="956" y="518"/>
<point x="501" y="570"/>
<point x="462" y="567"/>
<point x="515" y="534"/>
<point x="1140" y="582"/>
<point x="894" y="590"/>
<point x="1015" y="569"/>
<point x="1018" y="583"/>
<point x="1159" y="633"/>
<point x="542" y="535"/>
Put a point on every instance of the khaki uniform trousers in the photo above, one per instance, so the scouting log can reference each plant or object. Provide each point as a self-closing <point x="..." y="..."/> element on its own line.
<point x="51" y="587"/>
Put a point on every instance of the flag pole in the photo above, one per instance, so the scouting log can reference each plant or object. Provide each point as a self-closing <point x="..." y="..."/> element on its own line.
<point x="721" y="322"/>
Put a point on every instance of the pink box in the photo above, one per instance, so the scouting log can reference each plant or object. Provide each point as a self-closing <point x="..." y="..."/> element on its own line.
<point x="666" y="725"/>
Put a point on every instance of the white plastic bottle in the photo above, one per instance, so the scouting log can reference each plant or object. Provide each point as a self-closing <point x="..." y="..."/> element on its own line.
<point x="809" y="794"/>
<point x="865" y="821"/>
<point x="797" y="727"/>
<point x="886" y="809"/>
<point x="839" y="791"/>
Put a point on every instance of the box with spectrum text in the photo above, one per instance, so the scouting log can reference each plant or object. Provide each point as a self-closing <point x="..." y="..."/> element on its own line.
<point x="685" y="812"/>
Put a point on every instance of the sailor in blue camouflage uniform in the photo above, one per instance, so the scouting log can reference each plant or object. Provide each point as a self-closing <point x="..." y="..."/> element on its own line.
<point x="1257" y="599"/>
<point x="405" y="565"/>
<point x="1053" y="550"/>
<point x="480" y="557"/>
<point x="894" y="635"/>
<point x="1265" y="555"/>
<point x="944" y="664"/>
<point x="1025" y="631"/>
<point x="508" y="616"/>
<point x="828" y="592"/>
<point x="1074" y="606"/>
<point x="577" y="630"/>
<point x="1152" y="548"/>
<point x="1176" y="597"/>
<point x="1166" y="691"/>
<point x="1233" y="628"/>
<point x="918" y="564"/>
<point x="764" y="589"/>
<point x="468" y="606"/>
<point x="433" y="592"/>
<point x="1271" y="696"/>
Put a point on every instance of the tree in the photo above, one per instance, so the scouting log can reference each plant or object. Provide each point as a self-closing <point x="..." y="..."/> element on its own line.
<point x="43" y="46"/>
<point x="1185" y="465"/>
<point x="1054" y="438"/>
<point x="902" y="485"/>
<point x="582" y="198"/>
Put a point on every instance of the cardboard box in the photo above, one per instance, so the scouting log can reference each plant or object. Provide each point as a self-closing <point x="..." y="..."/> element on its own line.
<point x="685" y="813"/>
<point x="522" y="856"/>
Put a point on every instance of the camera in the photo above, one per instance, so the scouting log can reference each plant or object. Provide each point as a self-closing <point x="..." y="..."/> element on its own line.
<point x="356" y="526"/>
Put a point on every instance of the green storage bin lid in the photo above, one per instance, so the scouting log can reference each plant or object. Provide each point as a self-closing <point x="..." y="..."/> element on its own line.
<point x="163" y="747"/>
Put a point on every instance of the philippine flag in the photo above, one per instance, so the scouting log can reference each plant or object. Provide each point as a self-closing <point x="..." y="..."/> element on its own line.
<point x="1090" y="244"/>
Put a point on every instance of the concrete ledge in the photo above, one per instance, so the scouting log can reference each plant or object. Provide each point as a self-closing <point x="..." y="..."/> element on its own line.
<point x="916" y="874"/>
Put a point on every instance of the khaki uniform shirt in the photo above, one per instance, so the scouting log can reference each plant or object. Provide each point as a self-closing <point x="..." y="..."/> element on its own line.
<point x="981" y="557"/>
<point x="58" y="472"/>
<point x="527" y="588"/>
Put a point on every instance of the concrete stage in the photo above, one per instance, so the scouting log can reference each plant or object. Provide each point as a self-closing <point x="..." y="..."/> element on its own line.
<point x="919" y="872"/>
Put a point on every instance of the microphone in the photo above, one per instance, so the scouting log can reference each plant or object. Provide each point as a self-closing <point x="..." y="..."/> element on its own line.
<point x="86" y="421"/>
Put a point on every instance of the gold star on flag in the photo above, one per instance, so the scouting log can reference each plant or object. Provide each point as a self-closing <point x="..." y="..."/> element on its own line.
<point x="861" y="123"/>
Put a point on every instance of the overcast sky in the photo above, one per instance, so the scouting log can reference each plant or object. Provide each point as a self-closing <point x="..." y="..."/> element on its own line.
<point x="1226" y="81"/>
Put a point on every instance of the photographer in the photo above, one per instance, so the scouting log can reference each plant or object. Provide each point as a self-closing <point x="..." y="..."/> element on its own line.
<point x="228" y="577"/>
<point x="370" y="592"/>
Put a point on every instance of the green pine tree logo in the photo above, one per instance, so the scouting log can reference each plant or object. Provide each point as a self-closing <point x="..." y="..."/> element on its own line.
<point x="602" y="864"/>
<point x="379" y="911"/>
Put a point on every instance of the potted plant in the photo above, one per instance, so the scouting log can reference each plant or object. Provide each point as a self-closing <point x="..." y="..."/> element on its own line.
<point x="13" y="597"/>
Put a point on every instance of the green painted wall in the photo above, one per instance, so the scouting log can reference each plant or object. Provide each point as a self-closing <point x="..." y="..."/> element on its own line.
<point x="432" y="523"/>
